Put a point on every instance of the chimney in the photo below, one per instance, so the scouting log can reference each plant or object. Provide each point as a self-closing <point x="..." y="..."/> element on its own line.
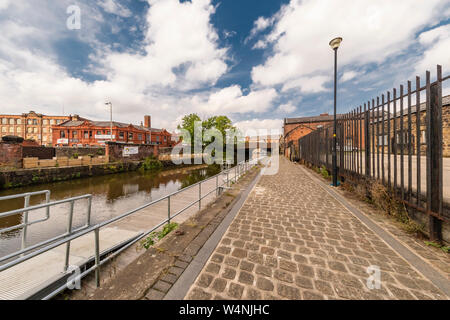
<point x="148" y="122"/>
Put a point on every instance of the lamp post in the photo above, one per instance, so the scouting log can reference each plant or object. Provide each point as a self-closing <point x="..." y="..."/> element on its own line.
<point x="334" y="44"/>
<point x="111" y="124"/>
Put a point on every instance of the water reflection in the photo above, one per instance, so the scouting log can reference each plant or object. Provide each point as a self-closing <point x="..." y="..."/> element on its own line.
<point x="111" y="196"/>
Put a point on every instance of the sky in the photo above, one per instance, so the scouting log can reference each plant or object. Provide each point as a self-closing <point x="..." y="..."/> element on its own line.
<point x="255" y="61"/>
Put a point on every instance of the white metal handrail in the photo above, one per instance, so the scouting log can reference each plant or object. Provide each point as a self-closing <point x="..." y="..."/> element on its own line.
<point x="239" y="170"/>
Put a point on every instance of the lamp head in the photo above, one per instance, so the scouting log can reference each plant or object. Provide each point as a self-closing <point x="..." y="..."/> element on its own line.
<point x="335" y="43"/>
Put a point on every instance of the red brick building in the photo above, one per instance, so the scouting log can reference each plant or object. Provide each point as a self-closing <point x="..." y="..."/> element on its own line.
<point x="79" y="132"/>
<point x="295" y="128"/>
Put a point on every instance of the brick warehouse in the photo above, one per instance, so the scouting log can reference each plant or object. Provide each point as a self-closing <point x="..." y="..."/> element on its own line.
<point x="30" y="126"/>
<point x="295" y="128"/>
<point x="88" y="133"/>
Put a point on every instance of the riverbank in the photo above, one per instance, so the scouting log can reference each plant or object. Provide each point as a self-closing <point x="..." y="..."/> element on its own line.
<point x="27" y="177"/>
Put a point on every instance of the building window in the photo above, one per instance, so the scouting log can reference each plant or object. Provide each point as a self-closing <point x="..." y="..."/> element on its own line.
<point x="58" y="121"/>
<point x="52" y="121"/>
<point x="11" y="121"/>
<point x="19" y="121"/>
<point x="157" y="138"/>
<point x="383" y="140"/>
<point x="140" y="137"/>
<point x="4" y="121"/>
<point x="74" y="134"/>
<point x="44" y="130"/>
<point x="19" y="129"/>
<point x="35" y="122"/>
<point x="29" y="122"/>
<point x="86" y="134"/>
<point x="30" y="130"/>
<point x="121" y="135"/>
<point x="11" y="129"/>
<point x="45" y="121"/>
<point x="165" y="139"/>
<point x="99" y="133"/>
<point x="35" y="130"/>
<point x="63" y="134"/>
<point x="4" y="129"/>
<point x="90" y="134"/>
<point x="130" y="136"/>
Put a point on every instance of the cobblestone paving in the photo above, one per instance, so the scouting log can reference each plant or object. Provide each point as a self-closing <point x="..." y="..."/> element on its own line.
<point x="292" y="240"/>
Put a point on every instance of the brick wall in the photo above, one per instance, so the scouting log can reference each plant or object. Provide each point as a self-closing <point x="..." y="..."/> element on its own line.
<point x="38" y="152"/>
<point x="69" y="152"/>
<point x="293" y="132"/>
<point x="115" y="151"/>
<point x="10" y="154"/>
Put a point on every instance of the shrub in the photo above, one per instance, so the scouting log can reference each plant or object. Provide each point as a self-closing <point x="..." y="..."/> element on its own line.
<point x="152" y="164"/>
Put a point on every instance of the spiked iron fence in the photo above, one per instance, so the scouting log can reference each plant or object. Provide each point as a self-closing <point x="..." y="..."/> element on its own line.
<point x="397" y="139"/>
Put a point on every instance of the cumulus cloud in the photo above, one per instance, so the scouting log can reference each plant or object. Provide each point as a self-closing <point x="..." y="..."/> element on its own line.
<point x="286" y="108"/>
<point x="437" y="44"/>
<point x="303" y="29"/>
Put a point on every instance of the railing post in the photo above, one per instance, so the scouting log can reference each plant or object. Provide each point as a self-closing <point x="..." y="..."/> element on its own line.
<point x="97" y="257"/>
<point x="434" y="158"/>
<point x="89" y="211"/>
<point x="69" y="231"/>
<point x="200" y="196"/>
<point x="228" y="178"/>
<point x="25" y="221"/>
<point x="168" y="209"/>
<point x="367" y="141"/>
<point x="217" y="186"/>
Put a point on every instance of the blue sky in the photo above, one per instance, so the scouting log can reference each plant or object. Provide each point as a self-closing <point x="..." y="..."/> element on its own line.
<point x="256" y="61"/>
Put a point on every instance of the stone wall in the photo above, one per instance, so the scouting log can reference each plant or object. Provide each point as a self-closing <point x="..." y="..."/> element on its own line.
<point x="70" y="152"/>
<point x="10" y="154"/>
<point x="38" y="152"/>
<point x="115" y="151"/>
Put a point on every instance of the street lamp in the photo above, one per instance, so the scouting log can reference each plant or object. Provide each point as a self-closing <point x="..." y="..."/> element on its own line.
<point x="334" y="44"/>
<point x="111" y="124"/>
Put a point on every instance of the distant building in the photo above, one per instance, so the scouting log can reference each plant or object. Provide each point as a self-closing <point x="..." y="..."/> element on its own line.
<point x="295" y="128"/>
<point x="89" y="133"/>
<point x="30" y="126"/>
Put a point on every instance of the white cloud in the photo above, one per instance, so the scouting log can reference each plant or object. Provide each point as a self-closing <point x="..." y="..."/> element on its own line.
<point x="437" y="44"/>
<point x="286" y="108"/>
<point x="261" y="24"/>
<point x="307" y="85"/>
<point x="371" y="33"/>
<point x="232" y="100"/>
<point x="349" y="75"/>
<point x="260" y="126"/>
<point x="180" y="52"/>
<point x="112" y="6"/>
<point x="4" y="4"/>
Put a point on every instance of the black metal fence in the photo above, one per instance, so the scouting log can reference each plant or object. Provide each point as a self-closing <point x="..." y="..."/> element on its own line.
<point x="397" y="139"/>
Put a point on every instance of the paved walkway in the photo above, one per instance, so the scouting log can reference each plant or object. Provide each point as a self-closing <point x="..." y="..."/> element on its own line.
<point x="293" y="240"/>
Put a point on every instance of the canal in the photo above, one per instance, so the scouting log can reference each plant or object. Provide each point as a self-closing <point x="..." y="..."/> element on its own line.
<point x="112" y="195"/>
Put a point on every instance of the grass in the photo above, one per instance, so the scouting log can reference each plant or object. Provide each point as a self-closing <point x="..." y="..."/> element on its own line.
<point x="446" y="249"/>
<point x="156" y="236"/>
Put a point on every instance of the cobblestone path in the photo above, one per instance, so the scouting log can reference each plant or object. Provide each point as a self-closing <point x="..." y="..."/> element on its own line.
<point x="293" y="240"/>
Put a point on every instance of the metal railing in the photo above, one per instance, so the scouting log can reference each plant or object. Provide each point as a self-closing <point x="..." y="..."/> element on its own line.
<point x="239" y="170"/>
<point x="389" y="139"/>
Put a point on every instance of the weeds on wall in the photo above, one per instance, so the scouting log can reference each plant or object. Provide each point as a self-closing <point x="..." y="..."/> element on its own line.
<point x="156" y="236"/>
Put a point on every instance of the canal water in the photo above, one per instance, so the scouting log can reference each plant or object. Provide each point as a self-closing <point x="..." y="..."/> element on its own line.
<point x="112" y="195"/>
